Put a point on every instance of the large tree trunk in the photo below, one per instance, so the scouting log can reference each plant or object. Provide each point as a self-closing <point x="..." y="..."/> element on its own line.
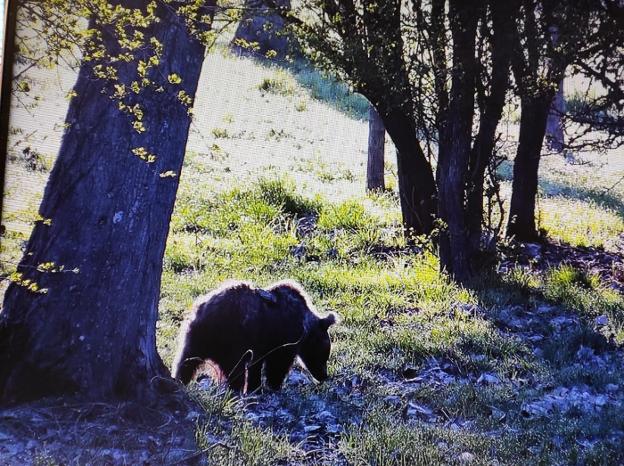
<point x="93" y="333"/>
<point x="503" y="15"/>
<point x="376" y="148"/>
<point x="455" y="144"/>
<point x="385" y="83"/>
<point x="534" y="113"/>
<point x="417" y="188"/>
<point x="554" y="124"/>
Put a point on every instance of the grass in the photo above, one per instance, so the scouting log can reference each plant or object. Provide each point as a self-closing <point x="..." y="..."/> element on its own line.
<point x="331" y="91"/>
<point x="585" y="294"/>
<point x="580" y="222"/>
<point x="395" y="313"/>
<point x="300" y="78"/>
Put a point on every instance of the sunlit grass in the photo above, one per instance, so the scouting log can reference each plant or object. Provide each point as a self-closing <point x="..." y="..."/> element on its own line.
<point x="580" y="223"/>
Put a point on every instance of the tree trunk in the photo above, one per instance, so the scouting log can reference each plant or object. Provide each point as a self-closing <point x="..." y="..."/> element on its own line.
<point x="417" y="188"/>
<point x="534" y="113"/>
<point x="554" y="123"/>
<point x="455" y="144"/>
<point x="385" y="83"/>
<point x="93" y="333"/>
<point x="376" y="147"/>
<point x="503" y="15"/>
<point x="261" y="31"/>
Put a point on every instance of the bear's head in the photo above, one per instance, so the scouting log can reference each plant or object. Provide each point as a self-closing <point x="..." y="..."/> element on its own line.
<point x="316" y="346"/>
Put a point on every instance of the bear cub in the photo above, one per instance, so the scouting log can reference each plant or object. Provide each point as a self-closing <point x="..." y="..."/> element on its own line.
<point x="239" y="329"/>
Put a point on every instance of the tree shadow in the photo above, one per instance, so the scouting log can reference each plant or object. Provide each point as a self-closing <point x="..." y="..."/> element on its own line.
<point x="600" y="197"/>
<point x="552" y="188"/>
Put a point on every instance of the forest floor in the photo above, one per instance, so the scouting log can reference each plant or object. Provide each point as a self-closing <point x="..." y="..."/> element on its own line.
<point x="526" y="367"/>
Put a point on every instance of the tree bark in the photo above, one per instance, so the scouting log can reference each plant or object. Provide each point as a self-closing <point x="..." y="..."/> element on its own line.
<point x="534" y="113"/>
<point x="93" y="333"/>
<point x="503" y="15"/>
<point x="417" y="187"/>
<point x="455" y="144"/>
<point x="376" y="147"/>
<point x="554" y="124"/>
<point x="384" y="81"/>
<point x="538" y="65"/>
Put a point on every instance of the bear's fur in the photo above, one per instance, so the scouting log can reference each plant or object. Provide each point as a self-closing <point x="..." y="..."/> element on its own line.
<point x="240" y="329"/>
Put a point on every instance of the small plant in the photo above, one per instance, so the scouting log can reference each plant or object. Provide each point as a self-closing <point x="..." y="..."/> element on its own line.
<point x="217" y="153"/>
<point x="281" y="83"/>
<point x="220" y="133"/>
<point x="301" y="106"/>
<point x="282" y="192"/>
<point x="278" y="135"/>
<point x="32" y="160"/>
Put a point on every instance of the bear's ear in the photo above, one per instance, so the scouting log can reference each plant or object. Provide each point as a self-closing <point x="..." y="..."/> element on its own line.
<point x="328" y="321"/>
<point x="267" y="296"/>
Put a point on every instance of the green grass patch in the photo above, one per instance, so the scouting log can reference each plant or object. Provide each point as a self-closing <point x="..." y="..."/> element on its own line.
<point x="580" y="223"/>
<point x="585" y="293"/>
<point x="332" y="92"/>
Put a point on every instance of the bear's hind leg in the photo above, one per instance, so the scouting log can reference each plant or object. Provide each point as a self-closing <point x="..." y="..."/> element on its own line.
<point x="277" y="367"/>
<point x="236" y="371"/>
<point x="254" y="376"/>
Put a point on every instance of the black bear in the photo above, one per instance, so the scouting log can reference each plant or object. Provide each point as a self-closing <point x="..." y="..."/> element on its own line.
<point x="239" y="329"/>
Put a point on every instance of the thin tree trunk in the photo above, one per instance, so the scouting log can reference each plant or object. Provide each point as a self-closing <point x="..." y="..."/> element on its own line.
<point x="455" y="144"/>
<point x="503" y="15"/>
<point x="439" y="43"/>
<point x="416" y="183"/>
<point x="376" y="148"/>
<point x="554" y="124"/>
<point x="534" y="113"/>
<point x="93" y="333"/>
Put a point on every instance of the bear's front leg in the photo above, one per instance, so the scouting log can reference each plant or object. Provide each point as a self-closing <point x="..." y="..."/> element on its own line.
<point x="237" y="379"/>
<point x="277" y="367"/>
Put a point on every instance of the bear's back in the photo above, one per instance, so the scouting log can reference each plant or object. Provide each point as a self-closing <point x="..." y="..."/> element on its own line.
<point x="234" y="303"/>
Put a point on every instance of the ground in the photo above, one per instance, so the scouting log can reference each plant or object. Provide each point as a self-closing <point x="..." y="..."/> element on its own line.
<point x="524" y="368"/>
